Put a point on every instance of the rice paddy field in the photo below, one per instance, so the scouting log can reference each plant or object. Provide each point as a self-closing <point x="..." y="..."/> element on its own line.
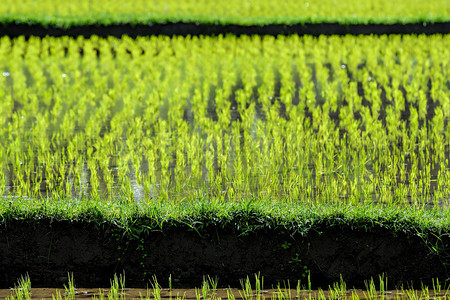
<point x="252" y="12"/>
<point x="250" y="289"/>
<point x="326" y="120"/>
<point x="297" y="157"/>
<point x="297" y="135"/>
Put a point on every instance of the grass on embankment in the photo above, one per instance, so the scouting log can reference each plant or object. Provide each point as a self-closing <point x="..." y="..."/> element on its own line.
<point x="282" y="240"/>
<point x="106" y="12"/>
<point x="245" y="216"/>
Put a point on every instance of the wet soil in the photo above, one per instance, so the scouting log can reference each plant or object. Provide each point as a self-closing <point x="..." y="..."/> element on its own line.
<point x="13" y="29"/>
<point x="94" y="252"/>
<point x="187" y="294"/>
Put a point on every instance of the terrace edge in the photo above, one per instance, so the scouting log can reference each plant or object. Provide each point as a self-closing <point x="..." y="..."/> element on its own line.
<point x="47" y="250"/>
<point x="13" y="29"/>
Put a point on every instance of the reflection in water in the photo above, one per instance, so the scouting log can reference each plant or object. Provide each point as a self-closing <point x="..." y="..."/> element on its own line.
<point x="261" y="181"/>
<point x="302" y="119"/>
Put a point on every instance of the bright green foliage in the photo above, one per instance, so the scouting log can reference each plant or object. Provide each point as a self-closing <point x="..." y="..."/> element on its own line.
<point x="296" y="119"/>
<point x="243" y="216"/>
<point x="67" y="13"/>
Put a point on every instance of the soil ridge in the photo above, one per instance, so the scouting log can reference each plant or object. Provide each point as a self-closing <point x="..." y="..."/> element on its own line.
<point x="13" y="29"/>
<point x="47" y="250"/>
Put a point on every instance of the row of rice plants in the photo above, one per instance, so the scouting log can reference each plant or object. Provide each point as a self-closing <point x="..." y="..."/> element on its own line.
<point x="326" y="119"/>
<point x="63" y="13"/>
<point x="375" y="289"/>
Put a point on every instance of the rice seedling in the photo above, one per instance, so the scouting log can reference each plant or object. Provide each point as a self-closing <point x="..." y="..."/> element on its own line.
<point x="58" y="295"/>
<point x="198" y="294"/>
<point x="285" y="292"/>
<point x="205" y="294"/>
<point x="246" y="291"/>
<point x="22" y="290"/>
<point x="117" y="288"/>
<point x="147" y="294"/>
<point x="338" y="290"/>
<point x="213" y="282"/>
<point x="230" y="295"/>
<point x="70" y="288"/>
<point x="156" y="289"/>
<point x="371" y="291"/>
<point x="259" y="285"/>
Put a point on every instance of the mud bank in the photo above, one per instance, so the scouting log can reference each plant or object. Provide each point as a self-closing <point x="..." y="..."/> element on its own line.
<point x="94" y="252"/>
<point x="194" y="29"/>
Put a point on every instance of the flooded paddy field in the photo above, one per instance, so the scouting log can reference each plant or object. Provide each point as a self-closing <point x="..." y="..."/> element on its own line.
<point x="192" y="294"/>
<point x="225" y="156"/>
<point x="329" y="119"/>
<point x="251" y="288"/>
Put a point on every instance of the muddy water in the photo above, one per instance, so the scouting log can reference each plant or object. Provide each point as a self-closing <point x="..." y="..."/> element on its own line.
<point x="282" y="293"/>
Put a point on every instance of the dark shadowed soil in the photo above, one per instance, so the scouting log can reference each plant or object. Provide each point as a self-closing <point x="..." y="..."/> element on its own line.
<point x="48" y="251"/>
<point x="183" y="29"/>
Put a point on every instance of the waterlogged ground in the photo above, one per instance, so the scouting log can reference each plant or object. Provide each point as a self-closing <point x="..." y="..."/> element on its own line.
<point x="295" y="118"/>
<point x="229" y="294"/>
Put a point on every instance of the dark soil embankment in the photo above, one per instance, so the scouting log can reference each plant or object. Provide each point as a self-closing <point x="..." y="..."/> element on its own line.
<point x="94" y="252"/>
<point x="183" y="29"/>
